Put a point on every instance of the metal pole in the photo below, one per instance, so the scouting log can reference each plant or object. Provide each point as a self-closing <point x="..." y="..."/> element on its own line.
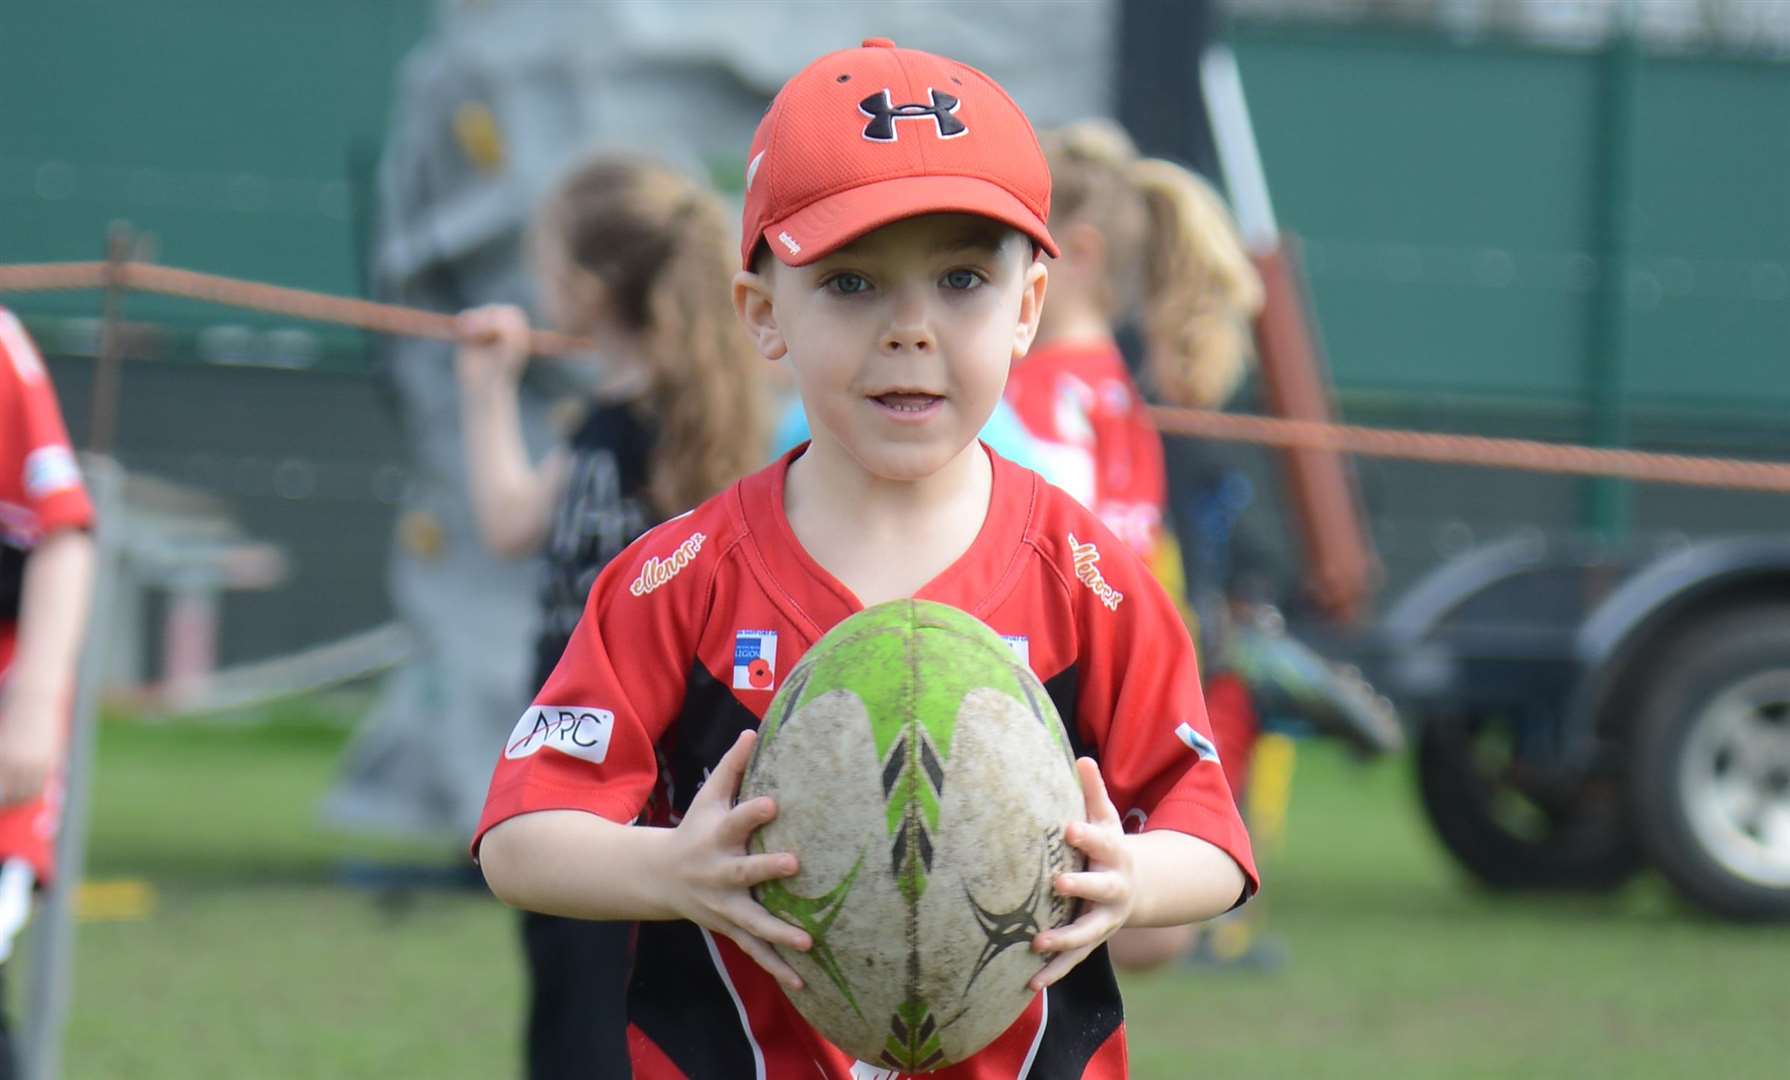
<point x="53" y="934"/>
<point x="106" y="375"/>
<point x="1608" y="504"/>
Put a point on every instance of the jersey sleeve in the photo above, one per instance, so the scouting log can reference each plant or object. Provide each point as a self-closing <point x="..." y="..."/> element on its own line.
<point x="588" y="740"/>
<point x="40" y="466"/>
<point x="1142" y="702"/>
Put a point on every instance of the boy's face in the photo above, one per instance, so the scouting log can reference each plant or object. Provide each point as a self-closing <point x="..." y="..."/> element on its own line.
<point x="901" y="341"/>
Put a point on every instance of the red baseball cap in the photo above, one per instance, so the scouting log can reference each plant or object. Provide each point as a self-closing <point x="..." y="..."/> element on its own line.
<point x="867" y="136"/>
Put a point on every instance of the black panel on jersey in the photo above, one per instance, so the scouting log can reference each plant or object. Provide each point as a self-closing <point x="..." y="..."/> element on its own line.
<point x="707" y="725"/>
<point x="677" y="998"/>
<point x="1085" y="1007"/>
<point x="12" y="580"/>
<point x="678" y="1001"/>
<point x="1064" y="689"/>
<point x="1084" y="1011"/>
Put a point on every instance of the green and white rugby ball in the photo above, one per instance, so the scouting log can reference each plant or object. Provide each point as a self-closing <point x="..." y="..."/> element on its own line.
<point x="923" y="779"/>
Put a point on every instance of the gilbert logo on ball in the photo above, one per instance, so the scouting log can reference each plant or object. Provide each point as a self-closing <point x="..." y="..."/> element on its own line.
<point x="924" y="779"/>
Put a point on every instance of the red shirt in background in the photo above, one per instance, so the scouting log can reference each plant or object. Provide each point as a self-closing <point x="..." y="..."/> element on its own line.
<point x="1078" y="400"/>
<point x="40" y="493"/>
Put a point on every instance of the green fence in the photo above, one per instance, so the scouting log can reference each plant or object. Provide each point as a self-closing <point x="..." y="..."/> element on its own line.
<point x="1468" y="262"/>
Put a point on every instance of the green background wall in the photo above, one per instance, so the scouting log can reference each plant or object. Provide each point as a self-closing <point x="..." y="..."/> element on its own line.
<point x="1453" y="201"/>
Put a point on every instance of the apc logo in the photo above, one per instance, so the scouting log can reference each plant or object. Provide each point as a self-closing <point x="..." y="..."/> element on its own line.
<point x="883" y="115"/>
<point x="577" y="730"/>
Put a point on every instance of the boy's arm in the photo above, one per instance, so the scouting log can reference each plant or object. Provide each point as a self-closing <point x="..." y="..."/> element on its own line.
<point x="35" y="696"/>
<point x="1180" y="879"/>
<point x="583" y="866"/>
<point x="1157" y="878"/>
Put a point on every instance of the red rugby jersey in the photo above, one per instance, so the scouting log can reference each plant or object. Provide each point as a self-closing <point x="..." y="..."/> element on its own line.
<point x="690" y="631"/>
<point x="1078" y="400"/>
<point x="40" y="482"/>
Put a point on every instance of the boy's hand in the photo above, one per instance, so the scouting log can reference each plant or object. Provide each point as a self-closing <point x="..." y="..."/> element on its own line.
<point x="712" y="874"/>
<point x="1107" y="887"/>
<point x="30" y="744"/>
<point x="494" y="344"/>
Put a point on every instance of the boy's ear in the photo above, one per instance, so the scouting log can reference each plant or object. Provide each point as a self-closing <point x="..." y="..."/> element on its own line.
<point x="752" y="301"/>
<point x="1031" y="308"/>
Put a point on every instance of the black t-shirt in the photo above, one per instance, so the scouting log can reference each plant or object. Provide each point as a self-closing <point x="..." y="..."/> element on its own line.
<point x="603" y="509"/>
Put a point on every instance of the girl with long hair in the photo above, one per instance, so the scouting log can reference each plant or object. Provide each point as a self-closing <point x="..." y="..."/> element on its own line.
<point x="639" y="259"/>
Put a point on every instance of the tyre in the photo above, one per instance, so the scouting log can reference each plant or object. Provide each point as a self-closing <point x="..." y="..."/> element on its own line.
<point x="1709" y="783"/>
<point x="1510" y="823"/>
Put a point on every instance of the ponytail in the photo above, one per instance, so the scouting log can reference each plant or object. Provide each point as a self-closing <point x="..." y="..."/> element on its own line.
<point x="1200" y="289"/>
<point x="663" y="249"/>
<point x="1173" y="258"/>
<point x="705" y="390"/>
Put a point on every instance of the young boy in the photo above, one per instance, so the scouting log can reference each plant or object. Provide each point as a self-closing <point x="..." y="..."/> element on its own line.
<point x="46" y="563"/>
<point x="895" y="210"/>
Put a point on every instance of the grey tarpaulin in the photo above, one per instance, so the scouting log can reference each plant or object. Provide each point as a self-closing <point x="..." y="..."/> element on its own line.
<point x="686" y="82"/>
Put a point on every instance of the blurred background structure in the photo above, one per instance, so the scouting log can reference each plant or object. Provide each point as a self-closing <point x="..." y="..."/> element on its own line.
<point x="1560" y="236"/>
<point x="1555" y="220"/>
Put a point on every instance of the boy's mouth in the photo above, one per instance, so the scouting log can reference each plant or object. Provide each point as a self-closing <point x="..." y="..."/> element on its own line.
<point x="907" y="401"/>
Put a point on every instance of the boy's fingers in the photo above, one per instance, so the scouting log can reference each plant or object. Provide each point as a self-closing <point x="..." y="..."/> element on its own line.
<point x="1099" y="803"/>
<point x="745" y="819"/>
<point x="1084" y="933"/>
<point x="1059" y="966"/>
<point x="766" y="957"/>
<point x="724" y="780"/>
<point x="751" y="870"/>
<point x="1098" y="887"/>
<point x="767" y="927"/>
<point x="1105" y="846"/>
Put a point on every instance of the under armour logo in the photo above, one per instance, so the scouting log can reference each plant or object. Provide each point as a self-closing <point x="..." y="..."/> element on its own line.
<point x="883" y="115"/>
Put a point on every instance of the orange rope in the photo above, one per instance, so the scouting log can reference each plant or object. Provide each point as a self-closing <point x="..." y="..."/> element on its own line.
<point x="1474" y="450"/>
<point x="1478" y="450"/>
<point x="297" y="303"/>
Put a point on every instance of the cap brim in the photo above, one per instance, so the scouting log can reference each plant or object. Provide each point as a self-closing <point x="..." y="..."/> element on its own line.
<point x="826" y="225"/>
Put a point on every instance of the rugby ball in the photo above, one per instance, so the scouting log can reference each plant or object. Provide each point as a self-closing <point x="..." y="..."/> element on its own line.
<point x="923" y="779"/>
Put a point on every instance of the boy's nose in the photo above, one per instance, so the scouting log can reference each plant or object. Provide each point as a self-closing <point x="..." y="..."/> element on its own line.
<point x="909" y="329"/>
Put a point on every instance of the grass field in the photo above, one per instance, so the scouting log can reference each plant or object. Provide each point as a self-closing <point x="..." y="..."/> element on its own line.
<point x="258" y="961"/>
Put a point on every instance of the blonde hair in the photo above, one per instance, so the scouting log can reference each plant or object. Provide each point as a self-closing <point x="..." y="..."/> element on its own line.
<point x="1173" y="257"/>
<point x="663" y="248"/>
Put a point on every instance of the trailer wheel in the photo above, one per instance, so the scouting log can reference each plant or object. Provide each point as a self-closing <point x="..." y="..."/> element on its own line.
<point x="1709" y="785"/>
<point x="1510" y="824"/>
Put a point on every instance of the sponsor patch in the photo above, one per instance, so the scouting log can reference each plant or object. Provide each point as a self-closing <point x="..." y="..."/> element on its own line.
<point x="657" y="571"/>
<point x="580" y="731"/>
<point x="1085" y="556"/>
<point x="50" y="469"/>
<point x="755" y="660"/>
<point x="1021" y="646"/>
<point x="1199" y="744"/>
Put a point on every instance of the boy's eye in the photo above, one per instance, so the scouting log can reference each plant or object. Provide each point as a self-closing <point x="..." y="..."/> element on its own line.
<point x="848" y="284"/>
<point x="962" y="279"/>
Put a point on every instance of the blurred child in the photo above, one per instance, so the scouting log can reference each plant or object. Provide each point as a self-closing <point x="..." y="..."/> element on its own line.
<point x="46" y="571"/>
<point x="895" y="207"/>
<point x="638" y="258"/>
<point x="1148" y="240"/>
